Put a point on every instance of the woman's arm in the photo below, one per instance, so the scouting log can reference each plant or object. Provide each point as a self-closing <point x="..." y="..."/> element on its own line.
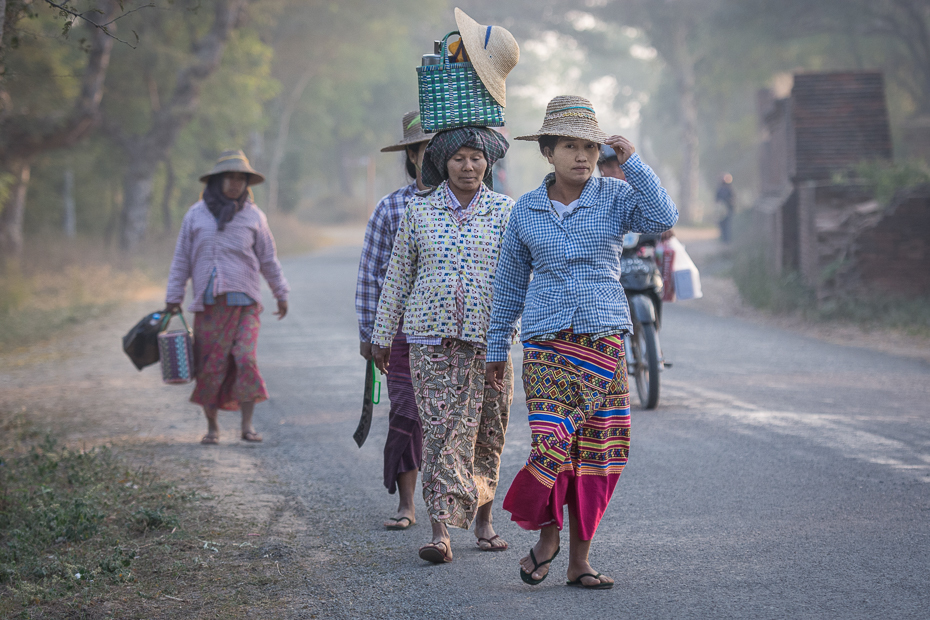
<point x="181" y="266"/>
<point x="376" y="252"/>
<point x="510" y="283"/>
<point x="644" y="204"/>
<point x="268" y="262"/>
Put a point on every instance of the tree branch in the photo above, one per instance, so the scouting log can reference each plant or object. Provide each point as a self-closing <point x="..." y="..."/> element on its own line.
<point x="104" y="26"/>
<point x="22" y="136"/>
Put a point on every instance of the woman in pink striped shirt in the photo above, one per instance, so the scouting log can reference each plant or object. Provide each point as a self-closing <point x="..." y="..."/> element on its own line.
<point x="223" y="247"/>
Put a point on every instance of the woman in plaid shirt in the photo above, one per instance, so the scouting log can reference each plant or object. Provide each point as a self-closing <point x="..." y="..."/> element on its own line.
<point x="403" y="449"/>
<point x="224" y="247"/>
<point x="560" y="271"/>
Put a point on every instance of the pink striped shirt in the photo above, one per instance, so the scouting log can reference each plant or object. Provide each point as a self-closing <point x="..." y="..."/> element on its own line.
<point x="242" y="251"/>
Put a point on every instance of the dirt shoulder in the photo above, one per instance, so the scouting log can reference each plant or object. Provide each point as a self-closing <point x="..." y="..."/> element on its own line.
<point x="233" y="551"/>
<point x="721" y="298"/>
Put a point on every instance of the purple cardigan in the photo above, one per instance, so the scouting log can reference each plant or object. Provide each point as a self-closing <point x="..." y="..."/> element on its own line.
<point x="239" y="253"/>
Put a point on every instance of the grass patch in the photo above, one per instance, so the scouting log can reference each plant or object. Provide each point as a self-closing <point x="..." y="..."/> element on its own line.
<point x="762" y="290"/>
<point x="788" y="294"/>
<point x="84" y="535"/>
<point x="59" y="282"/>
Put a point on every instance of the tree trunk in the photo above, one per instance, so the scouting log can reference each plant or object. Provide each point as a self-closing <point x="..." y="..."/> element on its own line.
<point x="11" y="218"/>
<point x="280" y="143"/>
<point x="138" y="183"/>
<point x="2" y="20"/>
<point x="166" y="198"/>
<point x="143" y="153"/>
<point x="689" y="178"/>
<point x="70" y="219"/>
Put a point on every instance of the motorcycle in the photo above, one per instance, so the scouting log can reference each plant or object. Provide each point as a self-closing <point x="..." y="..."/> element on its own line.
<point x="642" y="280"/>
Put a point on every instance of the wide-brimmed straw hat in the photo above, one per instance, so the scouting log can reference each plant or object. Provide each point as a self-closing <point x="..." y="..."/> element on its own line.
<point x="572" y="117"/>
<point x="234" y="161"/>
<point x="413" y="133"/>
<point x="493" y="53"/>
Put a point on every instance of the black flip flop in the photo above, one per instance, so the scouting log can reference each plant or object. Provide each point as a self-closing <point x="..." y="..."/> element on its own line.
<point x="601" y="585"/>
<point x="527" y="577"/>
<point x="397" y="523"/>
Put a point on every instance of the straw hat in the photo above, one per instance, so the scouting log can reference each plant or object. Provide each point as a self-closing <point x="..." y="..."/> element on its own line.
<point x="413" y="133"/>
<point x="571" y="117"/>
<point x="234" y="161"/>
<point x="492" y="50"/>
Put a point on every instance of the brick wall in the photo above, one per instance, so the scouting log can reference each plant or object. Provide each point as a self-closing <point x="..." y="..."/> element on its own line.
<point x="894" y="256"/>
<point x="839" y="120"/>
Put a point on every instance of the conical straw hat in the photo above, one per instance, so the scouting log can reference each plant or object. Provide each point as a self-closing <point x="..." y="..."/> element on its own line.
<point x="234" y="161"/>
<point x="493" y="53"/>
<point x="413" y="133"/>
<point x="572" y="117"/>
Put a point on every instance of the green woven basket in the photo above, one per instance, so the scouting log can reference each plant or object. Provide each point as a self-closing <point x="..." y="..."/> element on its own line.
<point x="452" y="95"/>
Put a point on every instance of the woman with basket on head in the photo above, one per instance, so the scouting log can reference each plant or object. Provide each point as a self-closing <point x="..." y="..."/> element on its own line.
<point x="439" y="279"/>
<point x="223" y="247"/>
<point x="403" y="449"/>
<point x="560" y="270"/>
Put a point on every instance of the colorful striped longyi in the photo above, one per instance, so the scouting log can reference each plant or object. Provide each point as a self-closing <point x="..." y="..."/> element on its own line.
<point x="577" y="393"/>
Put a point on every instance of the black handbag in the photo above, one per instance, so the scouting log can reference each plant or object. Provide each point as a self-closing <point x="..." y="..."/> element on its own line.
<point x="141" y="343"/>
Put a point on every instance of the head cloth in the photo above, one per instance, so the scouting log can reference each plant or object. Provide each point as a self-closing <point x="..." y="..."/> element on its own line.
<point x="446" y="143"/>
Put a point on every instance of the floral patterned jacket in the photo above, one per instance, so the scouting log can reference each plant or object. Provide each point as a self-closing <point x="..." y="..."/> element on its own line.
<point x="433" y="254"/>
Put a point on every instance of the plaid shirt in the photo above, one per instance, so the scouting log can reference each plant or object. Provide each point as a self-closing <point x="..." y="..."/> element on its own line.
<point x="376" y="254"/>
<point x="242" y="251"/>
<point x="575" y="261"/>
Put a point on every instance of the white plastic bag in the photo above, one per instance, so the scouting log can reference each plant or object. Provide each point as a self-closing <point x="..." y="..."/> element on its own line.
<point x="685" y="275"/>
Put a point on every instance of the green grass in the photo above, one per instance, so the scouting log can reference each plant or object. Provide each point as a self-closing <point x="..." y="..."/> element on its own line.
<point x="84" y="534"/>
<point x="788" y="294"/>
<point x="71" y="522"/>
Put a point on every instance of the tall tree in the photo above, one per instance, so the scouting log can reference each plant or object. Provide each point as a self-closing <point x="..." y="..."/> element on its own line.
<point x="25" y="134"/>
<point x="145" y="148"/>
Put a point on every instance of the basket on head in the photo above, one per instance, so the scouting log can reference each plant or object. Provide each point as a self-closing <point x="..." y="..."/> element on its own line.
<point x="452" y="95"/>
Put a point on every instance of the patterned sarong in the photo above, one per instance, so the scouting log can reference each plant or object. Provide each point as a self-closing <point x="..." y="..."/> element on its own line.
<point x="225" y="341"/>
<point x="577" y="394"/>
<point x="403" y="449"/>
<point x="464" y="422"/>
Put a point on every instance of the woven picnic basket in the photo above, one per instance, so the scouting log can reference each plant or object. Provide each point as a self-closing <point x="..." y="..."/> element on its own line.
<point x="176" y="349"/>
<point x="452" y="95"/>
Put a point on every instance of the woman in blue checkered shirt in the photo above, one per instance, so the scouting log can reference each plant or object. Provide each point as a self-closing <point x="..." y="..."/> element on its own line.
<point x="559" y="270"/>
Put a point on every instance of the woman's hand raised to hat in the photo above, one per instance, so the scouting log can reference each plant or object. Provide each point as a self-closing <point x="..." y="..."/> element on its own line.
<point x="621" y="146"/>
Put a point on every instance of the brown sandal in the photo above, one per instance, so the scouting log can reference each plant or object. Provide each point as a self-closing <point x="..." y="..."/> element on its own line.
<point x="431" y="553"/>
<point x="251" y="436"/>
<point x="490" y="542"/>
<point x="210" y="441"/>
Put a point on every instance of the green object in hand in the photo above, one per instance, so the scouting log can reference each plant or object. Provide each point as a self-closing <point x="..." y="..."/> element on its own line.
<point x="375" y="381"/>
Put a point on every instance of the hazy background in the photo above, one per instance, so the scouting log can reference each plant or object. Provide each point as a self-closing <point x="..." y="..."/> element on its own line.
<point x="105" y="130"/>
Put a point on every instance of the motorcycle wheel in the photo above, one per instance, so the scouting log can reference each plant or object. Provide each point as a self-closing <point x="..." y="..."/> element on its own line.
<point x="646" y="365"/>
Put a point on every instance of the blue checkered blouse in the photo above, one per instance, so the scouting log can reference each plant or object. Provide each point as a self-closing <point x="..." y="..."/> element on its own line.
<point x="574" y="262"/>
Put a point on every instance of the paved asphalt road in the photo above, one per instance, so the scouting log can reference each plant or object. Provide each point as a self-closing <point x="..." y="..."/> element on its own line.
<point x="781" y="477"/>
